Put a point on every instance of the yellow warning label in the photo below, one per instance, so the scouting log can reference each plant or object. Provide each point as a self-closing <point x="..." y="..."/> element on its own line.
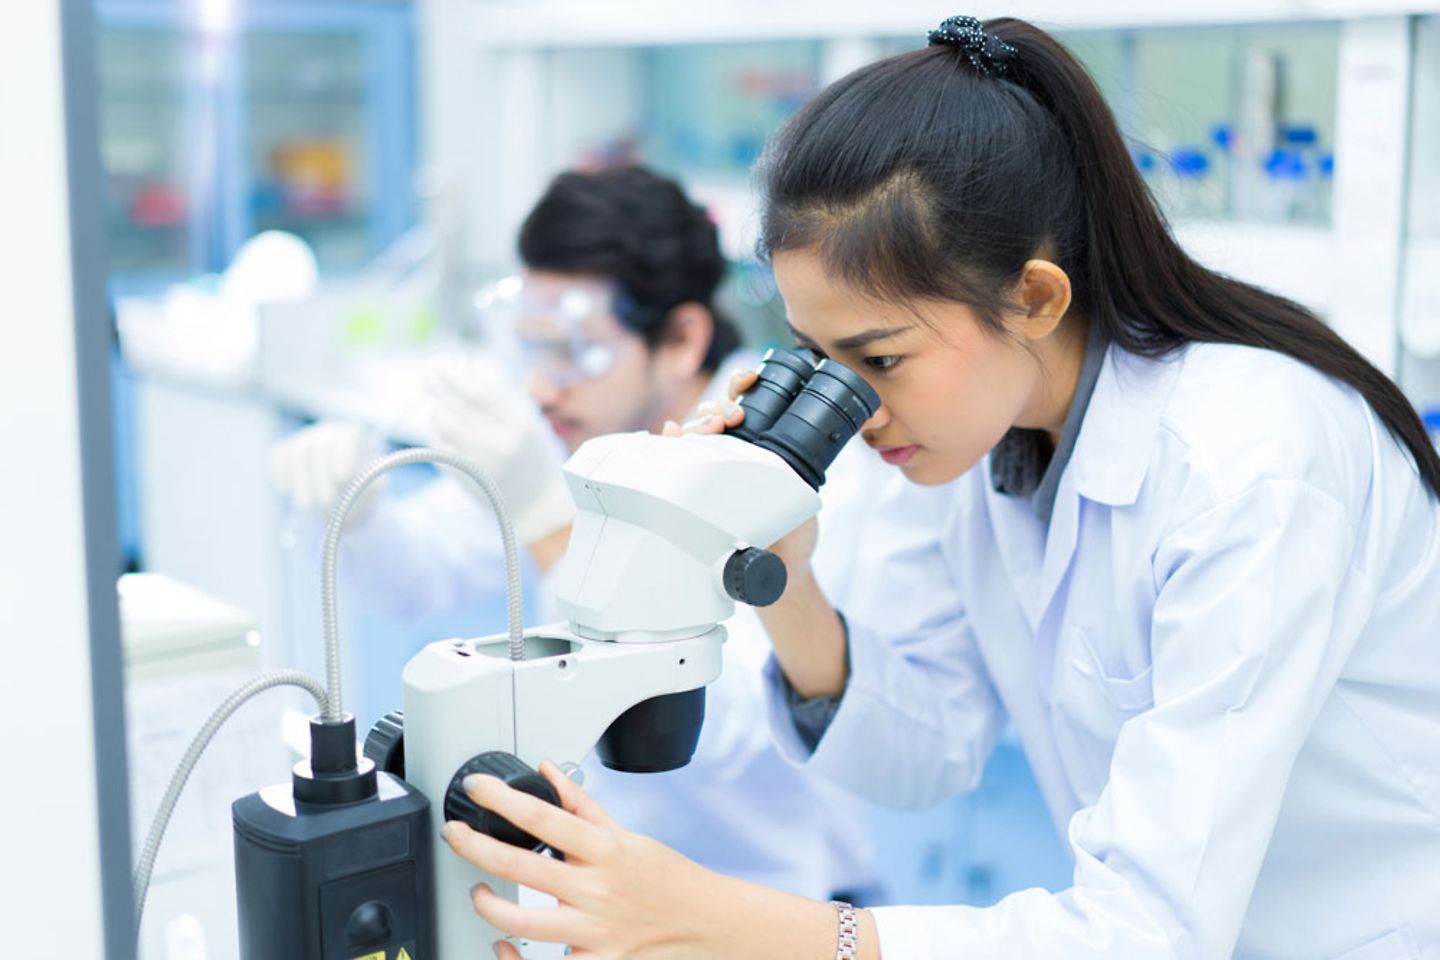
<point x="403" y="954"/>
<point x="378" y="955"/>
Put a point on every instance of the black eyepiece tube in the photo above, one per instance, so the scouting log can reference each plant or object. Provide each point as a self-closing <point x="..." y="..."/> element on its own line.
<point x="831" y="408"/>
<point x="782" y="375"/>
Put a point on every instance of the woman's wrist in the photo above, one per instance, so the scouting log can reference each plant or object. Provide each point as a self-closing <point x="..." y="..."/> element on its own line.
<point x="808" y="636"/>
<point x="746" y="921"/>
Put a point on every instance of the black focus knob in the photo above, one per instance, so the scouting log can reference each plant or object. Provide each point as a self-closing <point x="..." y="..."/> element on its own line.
<point x="385" y="744"/>
<point x="755" y="576"/>
<point x="516" y="773"/>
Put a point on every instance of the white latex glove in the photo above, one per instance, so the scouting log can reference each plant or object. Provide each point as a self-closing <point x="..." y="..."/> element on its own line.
<point x="314" y="465"/>
<point x="482" y="413"/>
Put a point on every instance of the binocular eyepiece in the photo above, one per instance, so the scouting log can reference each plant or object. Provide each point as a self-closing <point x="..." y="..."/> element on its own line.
<point x="805" y="411"/>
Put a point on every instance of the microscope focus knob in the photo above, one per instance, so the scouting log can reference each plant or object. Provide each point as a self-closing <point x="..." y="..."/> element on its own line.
<point x="386" y="743"/>
<point x="516" y="773"/>
<point x="755" y="576"/>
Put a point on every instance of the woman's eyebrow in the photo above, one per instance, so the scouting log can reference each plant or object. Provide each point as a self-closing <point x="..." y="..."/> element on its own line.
<point x="801" y="338"/>
<point x="852" y="342"/>
<point x="858" y="340"/>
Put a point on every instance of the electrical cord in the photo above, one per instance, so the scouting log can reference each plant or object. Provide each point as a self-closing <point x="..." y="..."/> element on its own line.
<point x="146" y="865"/>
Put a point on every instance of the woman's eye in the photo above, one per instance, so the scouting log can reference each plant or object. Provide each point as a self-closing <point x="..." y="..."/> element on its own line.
<point x="887" y="362"/>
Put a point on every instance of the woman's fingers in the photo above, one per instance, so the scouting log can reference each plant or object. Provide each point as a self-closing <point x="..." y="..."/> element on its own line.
<point x="547" y="924"/>
<point x="740" y="381"/>
<point x="532" y="869"/>
<point x="711" y="417"/>
<point x="556" y="827"/>
<point x="574" y="799"/>
<point x="731" y="413"/>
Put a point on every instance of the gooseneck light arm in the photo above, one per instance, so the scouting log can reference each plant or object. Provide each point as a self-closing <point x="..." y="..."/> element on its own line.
<point x="515" y="600"/>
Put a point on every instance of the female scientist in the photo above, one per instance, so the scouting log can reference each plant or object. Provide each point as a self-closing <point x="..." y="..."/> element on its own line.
<point x="1193" y="555"/>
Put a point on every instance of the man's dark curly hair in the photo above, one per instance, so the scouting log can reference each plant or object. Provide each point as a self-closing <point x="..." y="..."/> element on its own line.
<point x="635" y="227"/>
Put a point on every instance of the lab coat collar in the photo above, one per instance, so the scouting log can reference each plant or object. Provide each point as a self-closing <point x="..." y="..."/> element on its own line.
<point x="1110" y="458"/>
<point x="1116" y="439"/>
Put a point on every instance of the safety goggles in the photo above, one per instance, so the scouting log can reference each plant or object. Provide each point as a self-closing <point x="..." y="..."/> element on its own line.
<point x="562" y="328"/>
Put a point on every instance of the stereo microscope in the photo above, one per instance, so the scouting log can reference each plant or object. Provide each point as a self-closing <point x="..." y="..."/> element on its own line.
<point x="669" y="533"/>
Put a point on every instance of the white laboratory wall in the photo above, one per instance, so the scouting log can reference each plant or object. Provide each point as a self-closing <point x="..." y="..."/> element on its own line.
<point x="1420" y="305"/>
<point x="49" y="830"/>
<point x="1373" y="114"/>
<point x="614" y="83"/>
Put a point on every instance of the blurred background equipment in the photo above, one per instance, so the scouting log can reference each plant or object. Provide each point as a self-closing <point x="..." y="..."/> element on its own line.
<point x="184" y="653"/>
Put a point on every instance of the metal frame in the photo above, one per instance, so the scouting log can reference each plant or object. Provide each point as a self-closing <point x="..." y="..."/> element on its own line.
<point x="101" y="544"/>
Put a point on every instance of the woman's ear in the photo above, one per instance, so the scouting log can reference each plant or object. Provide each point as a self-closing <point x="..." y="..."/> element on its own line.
<point x="689" y="328"/>
<point x="1044" y="296"/>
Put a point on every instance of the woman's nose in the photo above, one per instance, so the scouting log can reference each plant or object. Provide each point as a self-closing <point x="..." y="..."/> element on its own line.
<point x="878" y="421"/>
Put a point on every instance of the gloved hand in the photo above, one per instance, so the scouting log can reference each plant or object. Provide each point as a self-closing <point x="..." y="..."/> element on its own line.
<point x="482" y="413"/>
<point x="314" y="465"/>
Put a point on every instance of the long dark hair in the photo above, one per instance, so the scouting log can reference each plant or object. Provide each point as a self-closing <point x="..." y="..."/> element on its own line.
<point x="639" y="229"/>
<point x="930" y="175"/>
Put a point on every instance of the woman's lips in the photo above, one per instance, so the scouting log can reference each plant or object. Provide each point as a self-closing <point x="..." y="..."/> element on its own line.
<point x="897" y="456"/>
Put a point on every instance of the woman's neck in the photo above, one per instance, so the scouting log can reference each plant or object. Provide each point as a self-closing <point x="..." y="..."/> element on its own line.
<point x="1062" y="356"/>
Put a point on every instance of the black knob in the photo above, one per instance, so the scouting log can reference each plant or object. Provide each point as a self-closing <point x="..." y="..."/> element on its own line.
<point x="386" y="743"/>
<point x="516" y="773"/>
<point x="369" y="925"/>
<point x="755" y="576"/>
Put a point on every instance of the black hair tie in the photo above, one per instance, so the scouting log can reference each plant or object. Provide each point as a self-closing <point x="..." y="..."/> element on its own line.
<point x="985" y="51"/>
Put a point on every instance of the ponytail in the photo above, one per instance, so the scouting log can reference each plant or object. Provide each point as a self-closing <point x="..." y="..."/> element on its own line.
<point x="938" y="173"/>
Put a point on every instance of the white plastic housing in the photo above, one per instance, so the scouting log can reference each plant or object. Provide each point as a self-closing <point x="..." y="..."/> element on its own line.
<point x="657" y="517"/>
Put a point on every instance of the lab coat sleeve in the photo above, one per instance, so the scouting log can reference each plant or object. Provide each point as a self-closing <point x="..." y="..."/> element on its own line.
<point x="425" y="552"/>
<point x="1257" y="608"/>
<point x="919" y="716"/>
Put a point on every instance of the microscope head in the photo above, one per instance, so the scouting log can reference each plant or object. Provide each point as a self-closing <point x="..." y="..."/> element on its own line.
<point x="666" y="531"/>
<point x="670" y="532"/>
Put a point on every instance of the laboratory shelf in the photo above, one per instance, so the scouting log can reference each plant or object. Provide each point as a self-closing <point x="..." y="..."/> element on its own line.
<point x="291" y="114"/>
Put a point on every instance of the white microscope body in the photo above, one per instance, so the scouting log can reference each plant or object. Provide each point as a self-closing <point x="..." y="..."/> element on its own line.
<point x="661" y="544"/>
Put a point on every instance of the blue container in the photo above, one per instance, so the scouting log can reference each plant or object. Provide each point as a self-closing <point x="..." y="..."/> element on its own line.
<point x="1432" y="423"/>
<point x="1301" y="135"/>
<point x="1189" y="163"/>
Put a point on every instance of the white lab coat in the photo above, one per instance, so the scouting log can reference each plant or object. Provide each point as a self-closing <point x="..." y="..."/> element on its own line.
<point x="1223" y="660"/>
<point x="739" y="806"/>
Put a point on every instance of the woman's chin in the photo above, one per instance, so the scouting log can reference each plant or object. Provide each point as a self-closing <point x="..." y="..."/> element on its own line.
<point x="931" y="471"/>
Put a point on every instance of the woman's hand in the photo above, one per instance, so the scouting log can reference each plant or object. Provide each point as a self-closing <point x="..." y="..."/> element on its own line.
<point x="795" y="548"/>
<point x="622" y="896"/>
